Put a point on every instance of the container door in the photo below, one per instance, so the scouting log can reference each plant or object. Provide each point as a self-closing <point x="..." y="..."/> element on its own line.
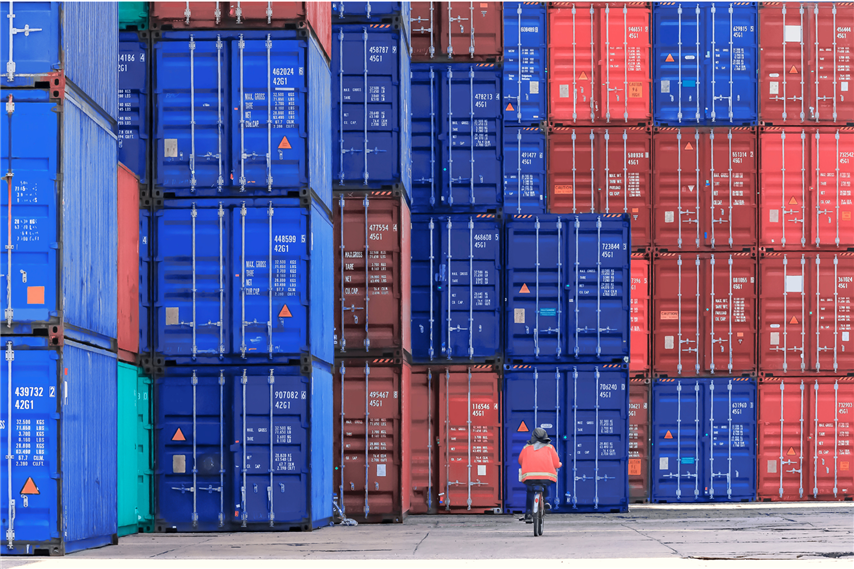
<point x="524" y="170"/>
<point x="427" y="190"/>
<point x="784" y="309"/>
<point x="624" y="180"/>
<point x="573" y="68"/>
<point x="193" y="15"/>
<point x="640" y="316"/>
<point x="678" y="440"/>
<point x="421" y="444"/>
<point x="730" y="219"/>
<point x="830" y="445"/>
<point x="783" y="221"/>
<point x="624" y="44"/>
<point x="677" y="192"/>
<point x="677" y="307"/>
<point x="33" y="42"/>
<point x="731" y="43"/>
<point x="472" y="30"/>
<point x="831" y="209"/>
<point x="525" y="61"/>
<point x="731" y="423"/>
<point x="730" y="316"/>
<point x="259" y="14"/>
<point x="271" y="447"/>
<point x="785" y="93"/>
<point x="832" y="348"/>
<point x="145" y="454"/>
<point x="572" y="170"/>
<point x="424" y="21"/>
<point x="678" y="37"/>
<point x="133" y="104"/>
<point x="427" y="337"/>
<point x="127" y="450"/>
<point x="639" y="443"/>
<point x="830" y="59"/>
<point x="783" y="439"/>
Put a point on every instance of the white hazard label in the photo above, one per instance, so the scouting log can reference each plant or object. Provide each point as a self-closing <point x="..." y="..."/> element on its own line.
<point x="481" y="470"/>
<point x="669" y="217"/>
<point x="773" y="87"/>
<point x="381" y="470"/>
<point x="534" y="87"/>
<point x="792" y="34"/>
<point x="663" y="463"/>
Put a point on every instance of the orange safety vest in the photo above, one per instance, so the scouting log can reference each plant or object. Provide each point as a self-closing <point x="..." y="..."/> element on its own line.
<point x="539" y="464"/>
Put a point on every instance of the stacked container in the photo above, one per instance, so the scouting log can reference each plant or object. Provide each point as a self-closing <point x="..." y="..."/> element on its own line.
<point x="241" y="266"/>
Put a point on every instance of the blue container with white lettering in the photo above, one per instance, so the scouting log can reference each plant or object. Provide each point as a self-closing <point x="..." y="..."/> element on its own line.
<point x="134" y="81"/>
<point x="525" y="174"/>
<point x="525" y="62"/>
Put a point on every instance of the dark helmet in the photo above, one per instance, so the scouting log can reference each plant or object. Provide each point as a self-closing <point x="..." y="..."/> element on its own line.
<point x="539" y="436"/>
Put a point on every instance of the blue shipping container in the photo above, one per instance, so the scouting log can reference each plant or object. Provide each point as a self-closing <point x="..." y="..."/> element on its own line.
<point x="217" y="134"/>
<point x="217" y="299"/>
<point x="568" y="284"/>
<point x="585" y="411"/>
<point x="525" y="174"/>
<point x="703" y="440"/>
<point x="707" y="62"/>
<point x="525" y="62"/>
<point x="77" y="39"/>
<point x="218" y="467"/>
<point x="145" y="287"/>
<point x="62" y="471"/>
<point x="64" y="211"/>
<point x="456" y="288"/>
<point x="133" y="103"/>
<point x="371" y="94"/>
<point x="456" y="138"/>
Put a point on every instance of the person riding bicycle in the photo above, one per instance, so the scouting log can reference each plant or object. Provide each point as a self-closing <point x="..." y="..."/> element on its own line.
<point x="539" y="463"/>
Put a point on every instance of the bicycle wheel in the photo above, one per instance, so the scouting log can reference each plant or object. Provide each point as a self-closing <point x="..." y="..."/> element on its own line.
<point x="538" y="517"/>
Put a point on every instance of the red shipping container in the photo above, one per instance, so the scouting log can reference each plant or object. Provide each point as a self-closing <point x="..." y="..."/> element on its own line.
<point x="640" y="321"/>
<point x="704" y="197"/>
<point x="639" y="440"/>
<point x="424" y="31"/>
<point x="599" y="63"/>
<point x="457" y="32"/>
<point x="422" y="439"/>
<point x="604" y="170"/>
<point x="805" y="63"/>
<point x="704" y="307"/>
<point x="805" y="309"/>
<point x="127" y="265"/>
<point x="372" y="275"/>
<point x="805" y="439"/>
<point x="179" y="15"/>
<point x="372" y="468"/>
<point x="805" y="188"/>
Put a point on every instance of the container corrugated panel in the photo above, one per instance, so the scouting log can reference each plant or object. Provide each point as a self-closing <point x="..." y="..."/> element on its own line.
<point x="525" y="173"/>
<point x="372" y="276"/>
<point x="371" y="456"/>
<point x="705" y="196"/>
<point x="599" y="63"/>
<point x="76" y="41"/>
<point x="64" y="192"/>
<point x="703" y="440"/>
<point x="133" y="16"/>
<point x="525" y="61"/>
<point x="214" y="448"/>
<point x="568" y="280"/>
<point x="145" y="287"/>
<point x="804" y="439"/>
<point x="134" y="78"/>
<point x="805" y="64"/>
<point x="217" y="299"/>
<point x="456" y="138"/>
<point x="641" y="321"/>
<point x="135" y="457"/>
<point x="127" y="263"/>
<point x="202" y="145"/>
<point x="603" y="170"/>
<point x="372" y="98"/>
<point x="421" y="428"/>
<point x="64" y="401"/>
<point x="805" y="304"/>
<point x="456" y="288"/>
<point x="706" y="58"/>
<point x="585" y="411"/>
<point x="704" y="314"/>
<point x="805" y="188"/>
<point x="639" y="447"/>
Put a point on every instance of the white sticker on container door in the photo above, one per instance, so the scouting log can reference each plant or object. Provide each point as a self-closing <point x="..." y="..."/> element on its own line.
<point x="794" y="283"/>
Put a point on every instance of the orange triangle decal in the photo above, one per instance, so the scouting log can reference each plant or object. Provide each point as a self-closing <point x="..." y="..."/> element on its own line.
<point x="582" y="77"/>
<point x="284" y="312"/>
<point x="791" y="451"/>
<point x="668" y="435"/>
<point x="793" y="320"/>
<point x="30" y="488"/>
<point x="523" y="428"/>
<point x="179" y="435"/>
<point x="524" y="289"/>
<point x="793" y="201"/>
<point x="689" y="146"/>
<point x="669" y="58"/>
<point x="509" y="107"/>
<point x="793" y="70"/>
<point x="284" y="144"/>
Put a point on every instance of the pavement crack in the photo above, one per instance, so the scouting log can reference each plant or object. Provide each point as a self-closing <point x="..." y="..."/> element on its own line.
<point x="420" y="542"/>
<point x="652" y="538"/>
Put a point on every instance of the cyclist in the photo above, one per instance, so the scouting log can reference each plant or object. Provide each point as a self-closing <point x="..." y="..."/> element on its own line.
<point x="539" y="463"/>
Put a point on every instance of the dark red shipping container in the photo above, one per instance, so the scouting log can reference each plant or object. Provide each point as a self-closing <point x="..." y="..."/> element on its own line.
<point x="127" y="265"/>
<point x="805" y="438"/>
<point x="599" y="63"/>
<point x="639" y="450"/>
<point x="805" y="187"/>
<point x="422" y="439"/>
<point x="640" y="321"/>
<point x="805" y="63"/>
<point x="704" y="196"/>
<point x="704" y="307"/>
<point x="372" y="275"/>
<point x="805" y="310"/>
<point x="605" y="170"/>
<point x="457" y="32"/>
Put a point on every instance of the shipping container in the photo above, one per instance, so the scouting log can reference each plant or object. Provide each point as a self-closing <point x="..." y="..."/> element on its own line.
<point x="424" y="31"/>
<point x="59" y="491"/>
<point x="603" y="170"/>
<point x="525" y="61"/>
<point x="422" y="442"/>
<point x="242" y="281"/>
<point x="134" y="114"/>
<point x="371" y="102"/>
<point x="133" y="16"/>
<point x="63" y="212"/>
<point x="127" y="265"/>
<point x="456" y="288"/>
<point x="135" y="454"/>
<point x="706" y="60"/>
<point x="216" y="134"/>
<point x="639" y="444"/>
<point x="641" y="323"/>
<point x="599" y="63"/>
<point x="396" y="13"/>
<point x="805" y="188"/>
<point x="804" y="313"/>
<point x="457" y="32"/>
<point x="568" y="280"/>
<point x="145" y="286"/>
<point x="585" y="411"/>
<point x="704" y="314"/>
<point x="372" y="464"/>
<point x="705" y="193"/>
<point x="50" y="43"/>
<point x="525" y="173"/>
<point x="703" y="440"/>
<point x="800" y="420"/>
<point x="805" y="63"/>
<point x="270" y="483"/>
<point x="456" y="138"/>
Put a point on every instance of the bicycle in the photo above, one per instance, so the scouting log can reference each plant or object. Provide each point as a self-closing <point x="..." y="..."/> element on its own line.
<point x="539" y="510"/>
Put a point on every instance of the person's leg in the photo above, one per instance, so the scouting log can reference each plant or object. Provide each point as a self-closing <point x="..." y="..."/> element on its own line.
<point x="529" y="498"/>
